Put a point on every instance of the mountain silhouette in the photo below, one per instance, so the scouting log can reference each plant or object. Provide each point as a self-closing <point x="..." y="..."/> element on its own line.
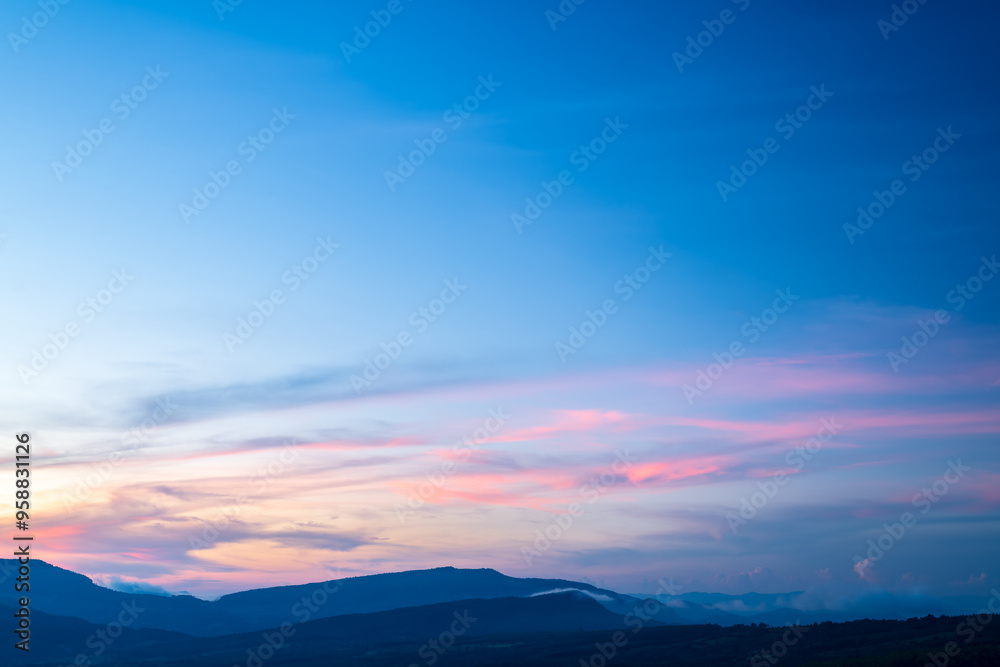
<point x="442" y="617"/>
<point x="61" y="592"/>
<point x="62" y="638"/>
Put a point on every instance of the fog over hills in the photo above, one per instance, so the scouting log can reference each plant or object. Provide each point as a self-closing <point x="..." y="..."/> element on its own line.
<point x="61" y="592"/>
<point x="417" y="616"/>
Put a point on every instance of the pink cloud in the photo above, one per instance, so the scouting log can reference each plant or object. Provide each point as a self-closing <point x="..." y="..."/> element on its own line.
<point x="902" y="423"/>
<point x="765" y="378"/>
<point x="865" y="569"/>
<point x="567" y="422"/>
<point x="671" y="471"/>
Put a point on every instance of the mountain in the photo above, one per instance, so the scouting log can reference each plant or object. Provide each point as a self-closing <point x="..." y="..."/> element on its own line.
<point x="267" y="607"/>
<point x="61" y="592"/>
<point x="825" y="603"/>
<point x="448" y="616"/>
<point x="690" y="613"/>
<point x="417" y="626"/>
<point x="63" y="638"/>
<point x="514" y="631"/>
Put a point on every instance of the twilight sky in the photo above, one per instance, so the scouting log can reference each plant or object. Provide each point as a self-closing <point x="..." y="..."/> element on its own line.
<point x="261" y="274"/>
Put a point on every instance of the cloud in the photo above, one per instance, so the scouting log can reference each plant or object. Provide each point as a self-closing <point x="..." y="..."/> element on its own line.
<point x="600" y="597"/>
<point x="864" y="568"/>
<point x="116" y="583"/>
<point x="974" y="581"/>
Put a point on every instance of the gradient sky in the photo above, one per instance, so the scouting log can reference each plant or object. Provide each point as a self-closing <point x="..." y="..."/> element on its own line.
<point x="311" y="472"/>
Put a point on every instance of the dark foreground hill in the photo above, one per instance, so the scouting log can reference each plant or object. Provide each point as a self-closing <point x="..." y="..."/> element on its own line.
<point x="63" y="639"/>
<point x="61" y="592"/>
<point x="446" y="636"/>
<point x="67" y="640"/>
<point x="447" y="616"/>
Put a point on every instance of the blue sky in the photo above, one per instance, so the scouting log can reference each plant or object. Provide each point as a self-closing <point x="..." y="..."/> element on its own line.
<point x="320" y="187"/>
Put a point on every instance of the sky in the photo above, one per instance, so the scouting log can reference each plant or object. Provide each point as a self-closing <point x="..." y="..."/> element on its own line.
<point x="612" y="292"/>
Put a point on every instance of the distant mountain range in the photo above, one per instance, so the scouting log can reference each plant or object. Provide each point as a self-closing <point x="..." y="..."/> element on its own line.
<point x="64" y="593"/>
<point x="826" y="603"/>
<point x="75" y="621"/>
